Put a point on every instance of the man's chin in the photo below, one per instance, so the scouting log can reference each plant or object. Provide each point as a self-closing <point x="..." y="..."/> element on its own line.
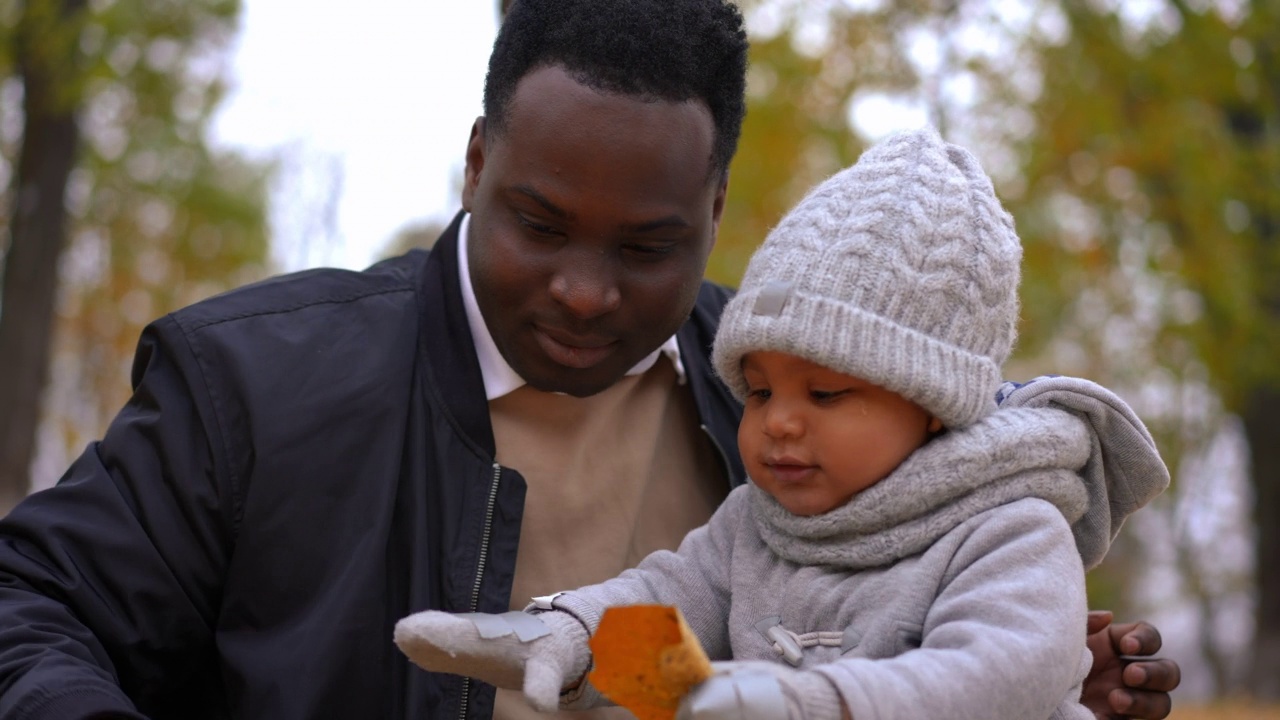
<point x="578" y="383"/>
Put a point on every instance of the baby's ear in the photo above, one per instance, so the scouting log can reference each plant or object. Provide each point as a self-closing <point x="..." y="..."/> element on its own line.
<point x="935" y="425"/>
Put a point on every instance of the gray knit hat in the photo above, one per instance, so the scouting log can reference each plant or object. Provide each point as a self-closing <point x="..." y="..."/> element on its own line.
<point x="901" y="270"/>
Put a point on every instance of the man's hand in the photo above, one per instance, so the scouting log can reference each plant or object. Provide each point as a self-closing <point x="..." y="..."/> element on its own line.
<point x="1120" y="686"/>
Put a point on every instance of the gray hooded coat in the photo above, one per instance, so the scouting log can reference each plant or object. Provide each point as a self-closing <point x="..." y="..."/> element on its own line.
<point x="954" y="588"/>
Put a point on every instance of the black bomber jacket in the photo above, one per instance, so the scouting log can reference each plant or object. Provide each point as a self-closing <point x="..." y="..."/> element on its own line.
<point x="303" y="462"/>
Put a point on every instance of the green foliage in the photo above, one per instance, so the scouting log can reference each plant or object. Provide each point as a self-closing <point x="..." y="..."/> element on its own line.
<point x="796" y="132"/>
<point x="784" y="149"/>
<point x="156" y="218"/>
<point x="1168" y="142"/>
<point x="1151" y="223"/>
<point x="810" y="64"/>
<point x="1142" y="159"/>
<point x="47" y="32"/>
<point x="1138" y="146"/>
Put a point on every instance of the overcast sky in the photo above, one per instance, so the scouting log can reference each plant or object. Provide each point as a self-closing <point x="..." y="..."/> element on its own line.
<point x="366" y="113"/>
<point x="371" y="106"/>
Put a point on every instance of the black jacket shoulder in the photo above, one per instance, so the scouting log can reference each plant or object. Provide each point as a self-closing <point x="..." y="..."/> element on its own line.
<point x="307" y="288"/>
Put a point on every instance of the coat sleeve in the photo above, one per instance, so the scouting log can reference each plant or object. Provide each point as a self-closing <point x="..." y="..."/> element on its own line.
<point x="693" y="578"/>
<point x="1004" y="637"/>
<point x="109" y="581"/>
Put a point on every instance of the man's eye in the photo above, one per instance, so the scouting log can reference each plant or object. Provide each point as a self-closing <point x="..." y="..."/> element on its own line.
<point x="537" y="228"/>
<point x="649" y="252"/>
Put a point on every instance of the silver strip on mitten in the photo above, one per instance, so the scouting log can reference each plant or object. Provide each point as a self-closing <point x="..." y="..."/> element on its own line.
<point x="737" y="696"/>
<point x="524" y="626"/>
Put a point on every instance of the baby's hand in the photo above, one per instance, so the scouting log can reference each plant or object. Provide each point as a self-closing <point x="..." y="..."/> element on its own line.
<point x="539" y="654"/>
<point x="751" y="689"/>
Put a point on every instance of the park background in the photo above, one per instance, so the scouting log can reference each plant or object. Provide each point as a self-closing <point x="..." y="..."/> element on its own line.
<point x="155" y="152"/>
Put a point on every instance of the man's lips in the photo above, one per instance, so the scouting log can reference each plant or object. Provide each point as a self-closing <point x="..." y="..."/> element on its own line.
<point x="573" y="351"/>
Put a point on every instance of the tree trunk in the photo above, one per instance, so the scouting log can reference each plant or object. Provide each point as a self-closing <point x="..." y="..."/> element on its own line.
<point x="1262" y="427"/>
<point x="37" y="234"/>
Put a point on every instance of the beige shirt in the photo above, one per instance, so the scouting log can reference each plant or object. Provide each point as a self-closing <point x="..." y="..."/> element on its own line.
<point x="611" y="478"/>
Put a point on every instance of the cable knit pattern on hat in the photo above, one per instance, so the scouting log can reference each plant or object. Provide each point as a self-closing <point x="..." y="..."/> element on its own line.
<point x="902" y="270"/>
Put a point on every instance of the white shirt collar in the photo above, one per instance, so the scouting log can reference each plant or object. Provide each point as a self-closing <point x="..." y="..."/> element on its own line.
<point x="499" y="378"/>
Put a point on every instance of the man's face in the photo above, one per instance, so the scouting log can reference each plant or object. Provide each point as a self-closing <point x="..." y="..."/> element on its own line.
<point x="592" y="217"/>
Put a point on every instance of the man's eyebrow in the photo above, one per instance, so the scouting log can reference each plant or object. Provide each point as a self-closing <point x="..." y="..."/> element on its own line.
<point x="674" y="221"/>
<point x="543" y="201"/>
<point x="669" y="221"/>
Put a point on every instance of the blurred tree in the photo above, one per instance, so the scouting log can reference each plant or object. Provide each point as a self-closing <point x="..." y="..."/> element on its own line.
<point x="825" y="74"/>
<point x="1158" y="148"/>
<point x="154" y="219"/>
<point x="42" y="58"/>
<point x="1160" y="279"/>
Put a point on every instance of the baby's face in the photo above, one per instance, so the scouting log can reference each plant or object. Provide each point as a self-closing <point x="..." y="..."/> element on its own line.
<point x="813" y="437"/>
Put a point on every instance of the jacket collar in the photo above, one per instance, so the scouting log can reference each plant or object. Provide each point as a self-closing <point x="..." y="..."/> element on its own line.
<point x="447" y="344"/>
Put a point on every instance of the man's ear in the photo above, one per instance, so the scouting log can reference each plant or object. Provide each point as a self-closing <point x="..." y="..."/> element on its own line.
<point x="475" y="163"/>
<point x="717" y="207"/>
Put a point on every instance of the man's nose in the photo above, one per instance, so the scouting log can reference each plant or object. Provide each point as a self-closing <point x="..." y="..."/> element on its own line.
<point x="587" y="284"/>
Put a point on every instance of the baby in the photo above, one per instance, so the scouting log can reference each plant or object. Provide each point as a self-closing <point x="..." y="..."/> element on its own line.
<point x="906" y="548"/>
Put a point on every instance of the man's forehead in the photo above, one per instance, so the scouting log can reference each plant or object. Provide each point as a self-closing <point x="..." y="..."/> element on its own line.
<point x="551" y="86"/>
<point x="555" y="116"/>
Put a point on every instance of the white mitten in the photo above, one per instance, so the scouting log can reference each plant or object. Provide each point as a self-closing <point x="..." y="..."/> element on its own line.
<point x="539" y="654"/>
<point x="761" y="690"/>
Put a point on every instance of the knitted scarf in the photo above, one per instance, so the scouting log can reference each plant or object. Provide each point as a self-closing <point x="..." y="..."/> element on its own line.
<point x="1010" y="454"/>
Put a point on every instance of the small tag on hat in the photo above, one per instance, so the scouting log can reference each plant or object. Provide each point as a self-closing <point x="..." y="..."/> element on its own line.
<point x="773" y="297"/>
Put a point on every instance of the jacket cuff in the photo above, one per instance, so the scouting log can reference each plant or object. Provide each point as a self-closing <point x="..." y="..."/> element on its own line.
<point x="816" y="695"/>
<point x="589" y="613"/>
<point x="93" y="701"/>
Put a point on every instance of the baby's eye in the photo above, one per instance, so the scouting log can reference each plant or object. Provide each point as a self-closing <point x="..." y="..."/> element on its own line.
<point x="828" y="395"/>
<point x="758" y="393"/>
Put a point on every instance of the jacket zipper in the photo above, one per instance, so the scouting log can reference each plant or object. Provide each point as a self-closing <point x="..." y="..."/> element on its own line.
<point x="724" y="457"/>
<point x="475" y="588"/>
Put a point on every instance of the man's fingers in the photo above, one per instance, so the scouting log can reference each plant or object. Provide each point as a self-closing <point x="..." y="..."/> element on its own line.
<point x="1145" y="681"/>
<point x="1098" y="619"/>
<point x="1161" y="676"/>
<point x="1137" y="638"/>
<point x="1139" y="704"/>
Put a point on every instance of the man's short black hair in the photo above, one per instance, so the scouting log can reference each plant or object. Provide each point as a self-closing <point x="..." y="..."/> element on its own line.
<point x="674" y="50"/>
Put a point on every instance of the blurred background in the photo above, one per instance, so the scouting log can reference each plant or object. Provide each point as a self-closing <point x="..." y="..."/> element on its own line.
<point x="155" y="152"/>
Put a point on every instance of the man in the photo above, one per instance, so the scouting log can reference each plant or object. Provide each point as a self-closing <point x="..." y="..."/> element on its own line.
<point x="307" y="460"/>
